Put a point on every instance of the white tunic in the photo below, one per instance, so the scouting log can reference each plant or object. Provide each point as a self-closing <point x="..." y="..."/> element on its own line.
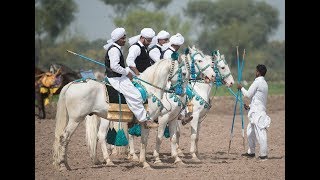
<point x="259" y="120"/>
<point x="155" y="53"/>
<point x="258" y="93"/>
<point x="114" y="56"/>
<point x="134" y="52"/>
<point x="167" y="53"/>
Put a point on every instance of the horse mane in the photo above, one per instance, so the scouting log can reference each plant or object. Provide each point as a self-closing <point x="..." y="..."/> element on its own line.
<point x="154" y="74"/>
<point x="195" y="49"/>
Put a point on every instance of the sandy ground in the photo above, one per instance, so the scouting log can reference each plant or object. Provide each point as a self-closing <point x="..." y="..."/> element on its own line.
<point x="213" y="150"/>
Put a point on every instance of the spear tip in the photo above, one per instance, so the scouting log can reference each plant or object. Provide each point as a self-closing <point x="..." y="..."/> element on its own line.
<point x="70" y="52"/>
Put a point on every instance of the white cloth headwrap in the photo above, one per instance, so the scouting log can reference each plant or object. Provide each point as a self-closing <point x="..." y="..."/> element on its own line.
<point x="177" y="39"/>
<point x="115" y="36"/>
<point x="145" y="32"/>
<point x="161" y="35"/>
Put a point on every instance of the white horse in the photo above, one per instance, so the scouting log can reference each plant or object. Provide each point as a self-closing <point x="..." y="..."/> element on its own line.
<point x="203" y="67"/>
<point x="168" y="104"/>
<point x="80" y="99"/>
<point x="200" y="93"/>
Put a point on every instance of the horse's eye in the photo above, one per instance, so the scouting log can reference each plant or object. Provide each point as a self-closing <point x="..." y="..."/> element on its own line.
<point x="222" y="67"/>
<point x="200" y="61"/>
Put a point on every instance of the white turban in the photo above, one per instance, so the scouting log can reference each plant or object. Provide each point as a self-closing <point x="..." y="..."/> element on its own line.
<point x="145" y="32"/>
<point x="177" y="39"/>
<point x="115" y="36"/>
<point x="163" y="35"/>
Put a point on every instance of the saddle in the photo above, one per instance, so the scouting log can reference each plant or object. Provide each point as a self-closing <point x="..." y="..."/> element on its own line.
<point x="48" y="79"/>
<point x="116" y="109"/>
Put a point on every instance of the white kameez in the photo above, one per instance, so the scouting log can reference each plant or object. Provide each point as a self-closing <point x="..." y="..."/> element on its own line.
<point x="258" y="119"/>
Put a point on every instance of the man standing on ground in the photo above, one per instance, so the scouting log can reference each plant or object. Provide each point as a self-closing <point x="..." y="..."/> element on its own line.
<point x="259" y="121"/>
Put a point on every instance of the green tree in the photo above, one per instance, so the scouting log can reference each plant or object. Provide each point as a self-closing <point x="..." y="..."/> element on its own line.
<point x="230" y="23"/>
<point x="137" y="17"/>
<point x="51" y="18"/>
<point x="122" y="6"/>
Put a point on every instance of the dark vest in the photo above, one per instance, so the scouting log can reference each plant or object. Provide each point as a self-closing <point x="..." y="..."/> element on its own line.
<point x="161" y="57"/>
<point x="143" y="61"/>
<point x="109" y="71"/>
<point x="161" y="53"/>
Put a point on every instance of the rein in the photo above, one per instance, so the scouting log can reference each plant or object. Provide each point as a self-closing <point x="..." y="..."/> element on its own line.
<point x="163" y="89"/>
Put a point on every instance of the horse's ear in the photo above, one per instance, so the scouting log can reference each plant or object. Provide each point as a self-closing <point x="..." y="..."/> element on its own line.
<point x="193" y="47"/>
<point x="215" y="52"/>
<point x="222" y="56"/>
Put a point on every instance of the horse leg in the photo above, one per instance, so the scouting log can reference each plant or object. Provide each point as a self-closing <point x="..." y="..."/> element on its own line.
<point x="160" y="133"/>
<point x="132" y="154"/>
<point x="194" y="136"/>
<point x="42" y="110"/>
<point x="197" y="140"/>
<point x="143" y="147"/>
<point x="61" y="156"/>
<point x="173" y="137"/>
<point x="102" y="133"/>
<point x="178" y="129"/>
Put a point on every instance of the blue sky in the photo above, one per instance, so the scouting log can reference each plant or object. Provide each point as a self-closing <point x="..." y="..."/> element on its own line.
<point x="94" y="18"/>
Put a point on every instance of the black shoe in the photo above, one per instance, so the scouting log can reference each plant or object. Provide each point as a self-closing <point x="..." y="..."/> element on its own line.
<point x="263" y="157"/>
<point x="249" y="155"/>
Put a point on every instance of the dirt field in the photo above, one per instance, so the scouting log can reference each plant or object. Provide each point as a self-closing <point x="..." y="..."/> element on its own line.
<point x="213" y="148"/>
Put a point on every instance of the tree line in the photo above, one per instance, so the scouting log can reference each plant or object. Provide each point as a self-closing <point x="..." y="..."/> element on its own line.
<point x="209" y="25"/>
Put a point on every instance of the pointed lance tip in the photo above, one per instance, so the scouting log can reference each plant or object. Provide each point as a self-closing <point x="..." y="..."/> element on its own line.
<point x="70" y="52"/>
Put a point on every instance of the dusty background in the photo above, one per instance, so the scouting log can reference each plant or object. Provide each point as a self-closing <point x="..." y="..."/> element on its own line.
<point x="213" y="148"/>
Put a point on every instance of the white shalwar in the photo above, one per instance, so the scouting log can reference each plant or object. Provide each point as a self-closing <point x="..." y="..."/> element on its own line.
<point x="258" y="119"/>
<point x="124" y="85"/>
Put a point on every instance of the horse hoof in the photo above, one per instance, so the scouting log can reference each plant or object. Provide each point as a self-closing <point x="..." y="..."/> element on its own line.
<point x="110" y="163"/>
<point x="148" y="168"/>
<point x="97" y="162"/>
<point x="64" y="167"/>
<point x="135" y="158"/>
<point x="179" y="163"/>
<point x="195" y="159"/>
<point x="159" y="162"/>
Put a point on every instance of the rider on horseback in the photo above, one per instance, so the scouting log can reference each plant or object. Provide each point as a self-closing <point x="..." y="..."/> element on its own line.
<point x="120" y="76"/>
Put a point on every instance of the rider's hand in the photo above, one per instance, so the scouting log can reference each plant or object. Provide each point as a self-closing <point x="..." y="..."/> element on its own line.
<point x="246" y="107"/>
<point x="130" y="76"/>
<point x="239" y="86"/>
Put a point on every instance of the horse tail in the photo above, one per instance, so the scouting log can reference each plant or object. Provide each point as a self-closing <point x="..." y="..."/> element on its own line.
<point x="61" y="122"/>
<point x="92" y="124"/>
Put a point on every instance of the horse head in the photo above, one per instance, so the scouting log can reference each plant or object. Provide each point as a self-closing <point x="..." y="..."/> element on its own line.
<point x="65" y="74"/>
<point x="200" y="64"/>
<point x="222" y="69"/>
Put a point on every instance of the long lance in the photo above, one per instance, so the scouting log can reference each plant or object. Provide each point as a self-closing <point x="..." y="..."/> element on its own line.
<point x="89" y="59"/>
<point x="235" y="105"/>
<point x="135" y="77"/>
<point x="240" y="101"/>
<point x="241" y="105"/>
